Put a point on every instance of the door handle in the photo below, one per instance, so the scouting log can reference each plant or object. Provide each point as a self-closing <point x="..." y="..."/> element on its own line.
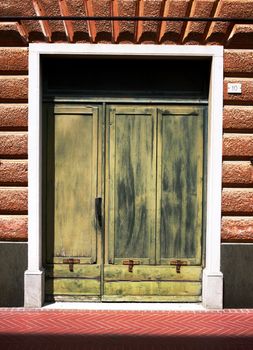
<point x="98" y="211"/>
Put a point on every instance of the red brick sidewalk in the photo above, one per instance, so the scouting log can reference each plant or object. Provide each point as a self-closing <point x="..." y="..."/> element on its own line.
<point x="74" y="329"/>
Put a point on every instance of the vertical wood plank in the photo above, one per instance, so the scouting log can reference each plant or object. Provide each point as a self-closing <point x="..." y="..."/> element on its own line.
<point x="49" y="200"/>
<point x="111" y="187"/>
<point x="94" y="182"/>
<point x="158" y="186"/>
<point x="73" y="197"/>
<point x="181" y="180"/>
<point x="132" y="183"/>
<point x="73" y="158"/>
<point x="100" y="181"/>
<point x="74" y="179"/>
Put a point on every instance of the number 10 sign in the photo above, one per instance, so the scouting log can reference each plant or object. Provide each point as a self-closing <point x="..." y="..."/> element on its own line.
<point x="234" y="88"/>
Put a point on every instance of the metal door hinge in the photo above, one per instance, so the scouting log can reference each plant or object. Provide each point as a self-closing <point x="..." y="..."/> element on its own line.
<point x="131" y="264"/>
<point x="71" y="263"/>
<point x="178" y="264"/>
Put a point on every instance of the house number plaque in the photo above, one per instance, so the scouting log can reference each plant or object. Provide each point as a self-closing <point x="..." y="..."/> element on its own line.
<point x="234" y="88"/>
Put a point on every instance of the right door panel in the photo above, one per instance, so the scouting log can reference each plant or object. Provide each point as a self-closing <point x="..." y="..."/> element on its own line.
<point x="155" y="160"/>
<point x="180" y="184"/>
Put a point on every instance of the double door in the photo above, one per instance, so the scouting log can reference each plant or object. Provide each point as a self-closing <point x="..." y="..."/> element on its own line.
<point x="123" y="206"/>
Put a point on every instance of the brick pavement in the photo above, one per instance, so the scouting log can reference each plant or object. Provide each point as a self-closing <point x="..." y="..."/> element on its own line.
<point x="145" y="330"/>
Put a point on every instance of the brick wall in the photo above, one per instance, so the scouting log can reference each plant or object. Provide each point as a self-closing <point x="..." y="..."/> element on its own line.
<point x="237" y="199"/>
<point x="13" y="143"/>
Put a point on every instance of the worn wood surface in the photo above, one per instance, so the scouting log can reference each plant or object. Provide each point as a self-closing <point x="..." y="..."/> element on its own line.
<point x="81" y="271"/>
<point x="156" y="161"/>
<point x="72" y="286"/>
<point x="152" y="273"/>
<point x="151" y="162"/>
<point x="152" y="298"/>
<point x="72" y="298"/>
<point x="180" y="178"/>
<point x="132" y="161"/>
<point x="75" y="168"/>
<point x="73" y="150"/>
<point x="161" y="288"/>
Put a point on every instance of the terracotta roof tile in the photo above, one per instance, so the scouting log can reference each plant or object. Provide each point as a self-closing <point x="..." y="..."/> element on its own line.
<point x="129" y="31"/>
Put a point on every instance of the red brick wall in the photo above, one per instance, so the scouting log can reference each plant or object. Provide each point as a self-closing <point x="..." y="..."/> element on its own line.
<point x="13" y="143"/>
<point x="237" y="199"/>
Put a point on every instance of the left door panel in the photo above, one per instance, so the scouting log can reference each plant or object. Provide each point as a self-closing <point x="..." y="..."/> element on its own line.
<point x="73" y="140"/>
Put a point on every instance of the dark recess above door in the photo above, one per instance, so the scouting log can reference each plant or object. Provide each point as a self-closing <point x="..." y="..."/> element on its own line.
<point x="126" y="78"/>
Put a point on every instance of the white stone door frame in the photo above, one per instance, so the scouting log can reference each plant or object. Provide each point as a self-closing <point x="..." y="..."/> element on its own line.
<point x="212" y="277"/>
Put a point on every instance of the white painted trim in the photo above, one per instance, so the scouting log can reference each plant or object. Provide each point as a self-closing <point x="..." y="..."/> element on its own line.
<point x="125" y="306"/>
<point x="212" y="277"/>
<point x="225" y="243"/>
<point x="34" y="275"/>
<point x="34" y="162"/>
<point x="127" y="50"/>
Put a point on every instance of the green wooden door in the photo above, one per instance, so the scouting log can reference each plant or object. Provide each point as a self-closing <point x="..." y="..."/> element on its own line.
<point x="73" y="182"/>
<point x="154" y="199"/>
<point x="147" y="165"/>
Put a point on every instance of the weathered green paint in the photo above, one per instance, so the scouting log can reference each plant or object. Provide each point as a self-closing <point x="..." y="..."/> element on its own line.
<point x="72" y="298"/>
<point x="75" y="183"/>
<point x="82" y="271"/>
<point x="129" y="288"/>
<point x="152" y="273"/>
<point x="153" y="191"/>
<point x="155" y="162"/>
<point x="72" y="170"/>
<point x="181" y="182"/>
<point x="132" y="173"/>
<point x="82" y="260"/>
<point x="153" y="298"/>
<point x="72" y="286"/>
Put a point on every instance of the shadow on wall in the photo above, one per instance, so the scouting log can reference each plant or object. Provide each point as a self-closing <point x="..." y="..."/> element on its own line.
<point x="13" y="263"/>
<point x="117" y="342"/>
<point x="236" y="265"/>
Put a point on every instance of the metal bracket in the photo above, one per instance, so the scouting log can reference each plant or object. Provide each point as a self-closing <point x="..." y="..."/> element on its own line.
<point x="71" y="263"/>
<point x="178" y="264"/>
<point x="131" y="264"/>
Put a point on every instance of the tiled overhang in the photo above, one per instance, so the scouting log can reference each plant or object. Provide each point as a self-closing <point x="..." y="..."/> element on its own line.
<point x="165" y="32"/>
